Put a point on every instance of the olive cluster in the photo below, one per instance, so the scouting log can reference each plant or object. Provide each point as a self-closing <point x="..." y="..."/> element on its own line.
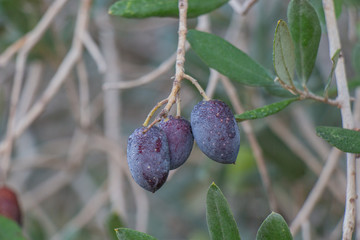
<point x="153" y="152"/>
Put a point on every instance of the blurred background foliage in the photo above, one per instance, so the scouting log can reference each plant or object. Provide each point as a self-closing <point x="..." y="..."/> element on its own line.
<point x="177" y="211"/>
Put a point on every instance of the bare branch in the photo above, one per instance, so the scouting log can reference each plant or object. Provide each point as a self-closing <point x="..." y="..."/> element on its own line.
<point x="242" y="8"/>
<point x="346" y="115"/>
<point x="112" y="108"/>
<point x="95" y="52"/>
<point x="282" y="131"/>
<point x="27" y="42"/>
<point x="317" y="191"/>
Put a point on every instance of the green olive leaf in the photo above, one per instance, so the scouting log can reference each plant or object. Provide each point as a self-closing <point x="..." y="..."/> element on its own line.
<point x="220" y="221"/>
<point x="162" y="8"/>
<point x="129" y="234"/>
<point x="344" y="139"/>
<point x="227" y="59"/>
<point x="306" y="33"/>
<point x="10" y="229"/>
<point x="265" y="111"/>
<point x="284" y="53"/>
<point x="274" y="227"/>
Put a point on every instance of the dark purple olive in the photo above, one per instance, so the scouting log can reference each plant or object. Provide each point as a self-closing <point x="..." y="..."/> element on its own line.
<point x="180" y="139"/>
<point x="148" y="157"/>
<point x="215" y="131"/>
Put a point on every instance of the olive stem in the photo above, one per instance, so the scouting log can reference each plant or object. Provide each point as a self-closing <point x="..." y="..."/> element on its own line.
<point x="197" y="85"/>
<point x="152" y="112"/>
<point x="180" y="60"/>
<point x="306" y="94"/>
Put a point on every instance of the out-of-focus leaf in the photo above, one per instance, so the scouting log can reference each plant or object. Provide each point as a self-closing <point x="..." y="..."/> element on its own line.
<point x="220" y="220"/>
<point x="284" y="53"/>
<point x="306" y="32"/>
<point x="344" y="139"/>
<point x="35" y="230"/>
<point x="356" y="58"/>
<point x="162" y="8"/>
<point x="114" y="221"/>
<point x="244" y="174"/>
<point x="338" y="7"/>
<point x="129" y="234"/>
<point x="227" y="59"/>
<point x="10" y="230"/>
<point x="265" y="111"/>
<point x="318" y="6"/>
<point x="274" y="227"/>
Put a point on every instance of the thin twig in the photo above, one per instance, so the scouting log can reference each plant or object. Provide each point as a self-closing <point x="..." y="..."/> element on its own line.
<point x="306" y="94"/>
<point x="197" y="85"/>
<point x="317" y="191"/>
<point x="30" y="88"/>
<point x="30" y="40"/>
<point x="259" y="157"/>
<point x="242" y="8"/>
<point x="86" y="214"/>
<point x="282" y="131"/>
<point x="27" y="42"/>
<point x="213" y="81"/>
<point x="306" y="230"/>
<point x="46" y="189"/>
<point x="163" y="67"/>
<point x="94" y="51"/>
<point x="64" y="69"/>
<point x="84" y="94"/>
<point x="306" y="129"/>
<point x="346" y="115"/>
<point x="112" y="114"/>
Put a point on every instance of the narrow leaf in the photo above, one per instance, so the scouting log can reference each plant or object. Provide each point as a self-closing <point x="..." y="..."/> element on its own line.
<point x="284" y="53"/>
<point x="334" y="60"/>
<point x="306" y="32"/>
<point x="129" y="234"/>
<point x="10" y="229"/>
<point x="344" y="139"/>
<point x="274" y="227"/>
<point x="265" y="111"/>
<point x="227" y="59"/>
<point x="220" y="220"/>
<point x="162" y="8"/>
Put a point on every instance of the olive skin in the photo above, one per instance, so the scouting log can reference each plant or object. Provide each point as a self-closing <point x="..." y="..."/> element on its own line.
<point x="148" y="157"/>
<point x="180" y="139"/>
<point x="215" y="131"/>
